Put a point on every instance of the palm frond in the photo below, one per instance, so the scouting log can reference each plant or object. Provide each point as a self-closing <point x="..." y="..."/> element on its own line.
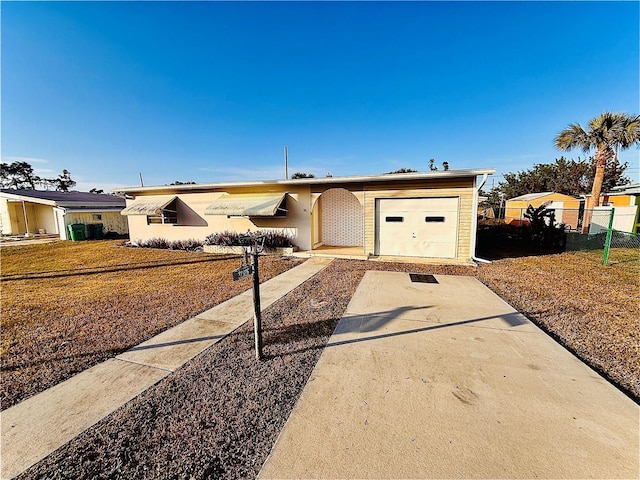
<point x="574" y="136"/>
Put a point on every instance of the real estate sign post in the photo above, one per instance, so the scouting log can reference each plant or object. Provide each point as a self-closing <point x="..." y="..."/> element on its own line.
<point x="245" y="270"/>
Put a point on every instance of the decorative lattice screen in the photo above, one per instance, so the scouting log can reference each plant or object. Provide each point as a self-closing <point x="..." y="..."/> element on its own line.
<point x="342" y="219"/>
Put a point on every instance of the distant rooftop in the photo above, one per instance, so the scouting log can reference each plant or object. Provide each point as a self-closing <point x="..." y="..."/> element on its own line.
<point x="64" y="199"/>
<point x="534" y="196"/>
<point x="531" y="196"/>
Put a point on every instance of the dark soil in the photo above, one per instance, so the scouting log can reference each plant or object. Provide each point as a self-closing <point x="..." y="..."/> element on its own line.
<point x="219" y="415"/>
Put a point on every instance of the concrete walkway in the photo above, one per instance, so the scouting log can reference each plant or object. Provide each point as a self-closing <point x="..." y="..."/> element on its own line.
<point x="34" y="428"/>
<point x="448" y="381"/>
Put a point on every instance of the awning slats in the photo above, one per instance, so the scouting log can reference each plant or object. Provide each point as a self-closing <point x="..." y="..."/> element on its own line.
<point x="248" y="205"/>
<point x="148" y="208"/>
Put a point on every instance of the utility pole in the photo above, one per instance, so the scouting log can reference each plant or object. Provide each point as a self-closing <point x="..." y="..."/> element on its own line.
<point x="286" y="163"/>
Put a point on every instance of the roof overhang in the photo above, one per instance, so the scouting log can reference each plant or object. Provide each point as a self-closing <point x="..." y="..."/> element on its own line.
<point x="391" y="177"/>
<point x="155" y="207"/>
<point x="249" y="205"/>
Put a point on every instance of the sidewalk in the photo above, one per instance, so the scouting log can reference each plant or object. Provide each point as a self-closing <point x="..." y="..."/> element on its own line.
<point x="34" y="428"/>
<point x="446" y="380"/>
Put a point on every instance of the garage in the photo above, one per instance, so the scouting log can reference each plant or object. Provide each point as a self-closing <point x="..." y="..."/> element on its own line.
<point x="417" y="227"/>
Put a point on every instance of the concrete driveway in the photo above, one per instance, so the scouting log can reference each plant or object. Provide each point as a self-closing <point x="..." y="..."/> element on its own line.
<point x="446" y="380"/>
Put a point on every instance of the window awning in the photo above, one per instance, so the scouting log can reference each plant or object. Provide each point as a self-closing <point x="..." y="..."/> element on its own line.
<point x="154" y="207"/>
<point x="249" y="205"/>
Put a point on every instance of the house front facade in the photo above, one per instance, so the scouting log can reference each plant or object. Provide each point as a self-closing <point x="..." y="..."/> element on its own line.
<point x="428" y="215"/>
<point x="31" y="212"/>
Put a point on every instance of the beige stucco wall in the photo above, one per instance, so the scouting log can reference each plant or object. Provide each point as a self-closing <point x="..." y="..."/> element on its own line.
<point x="193" y="223"/>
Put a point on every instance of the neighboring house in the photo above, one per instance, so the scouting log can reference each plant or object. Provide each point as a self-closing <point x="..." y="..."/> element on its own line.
<point x="626" y="202"/>
<point x="567" y="208"/>
<point x="29" y="212"/>
<point x="430" y="215"/>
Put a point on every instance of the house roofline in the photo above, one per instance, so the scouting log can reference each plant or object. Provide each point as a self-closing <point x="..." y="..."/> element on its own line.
<point x="312" y="181"/>
<point x="60" y="203"/>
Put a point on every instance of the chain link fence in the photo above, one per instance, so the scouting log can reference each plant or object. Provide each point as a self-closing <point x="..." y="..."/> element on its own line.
<point x="606" y="228"/>
<point x="621" y="247"/>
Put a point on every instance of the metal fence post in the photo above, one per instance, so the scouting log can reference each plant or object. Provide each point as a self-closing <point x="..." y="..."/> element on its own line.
<point x="607" y="242"/>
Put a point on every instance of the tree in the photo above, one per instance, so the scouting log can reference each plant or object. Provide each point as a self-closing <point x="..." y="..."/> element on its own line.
<point x="18" y="175"/>
<point x="63" y="183"/>
<point x="569" y="177"/>
<point x="607" y="133"/>
<point x="178" y="182"/>
<point x="95" y="190"/>
<point x="433" y="168"/>
<point x="302" y="175"/>
<point x="402" y="170"/>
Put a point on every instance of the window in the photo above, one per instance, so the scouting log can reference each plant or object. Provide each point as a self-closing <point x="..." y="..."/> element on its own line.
<point x="166" y="214"/>
<point x="394" y="219"/>
<point x="167" y="217"/>
<point x="158" y="212"/>
<point x="434" y="219"/>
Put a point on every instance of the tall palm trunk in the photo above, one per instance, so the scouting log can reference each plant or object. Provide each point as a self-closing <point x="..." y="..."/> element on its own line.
<point x="603" y="155"/>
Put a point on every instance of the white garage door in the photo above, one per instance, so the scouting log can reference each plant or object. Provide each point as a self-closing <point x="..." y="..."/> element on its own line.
<point x="417" y="227"/>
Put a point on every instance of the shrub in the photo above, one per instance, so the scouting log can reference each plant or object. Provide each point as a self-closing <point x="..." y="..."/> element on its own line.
<point x="272" y="238"/>
<point x="226" y="238"/>
<point x="543" y="230"/>
<point x="154" y="243"/>
<point x="190" y="245"/>
<point x="275" y="239"/>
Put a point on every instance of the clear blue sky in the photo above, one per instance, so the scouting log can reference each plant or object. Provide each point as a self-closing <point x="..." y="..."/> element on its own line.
<point x="212" y="91"/>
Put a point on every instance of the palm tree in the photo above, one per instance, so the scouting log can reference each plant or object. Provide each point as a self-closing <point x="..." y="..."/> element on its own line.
<point x="607" y="133"/>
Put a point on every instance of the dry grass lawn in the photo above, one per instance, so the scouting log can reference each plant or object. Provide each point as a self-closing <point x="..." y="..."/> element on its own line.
<point x="591" y="309"/>
<point x="67" y="306"/>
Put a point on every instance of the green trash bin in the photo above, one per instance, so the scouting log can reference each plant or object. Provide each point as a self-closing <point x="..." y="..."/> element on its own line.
<point x="76" y="231"/>
<point x="94" y="231"/>
<point x="99" y="231"/>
